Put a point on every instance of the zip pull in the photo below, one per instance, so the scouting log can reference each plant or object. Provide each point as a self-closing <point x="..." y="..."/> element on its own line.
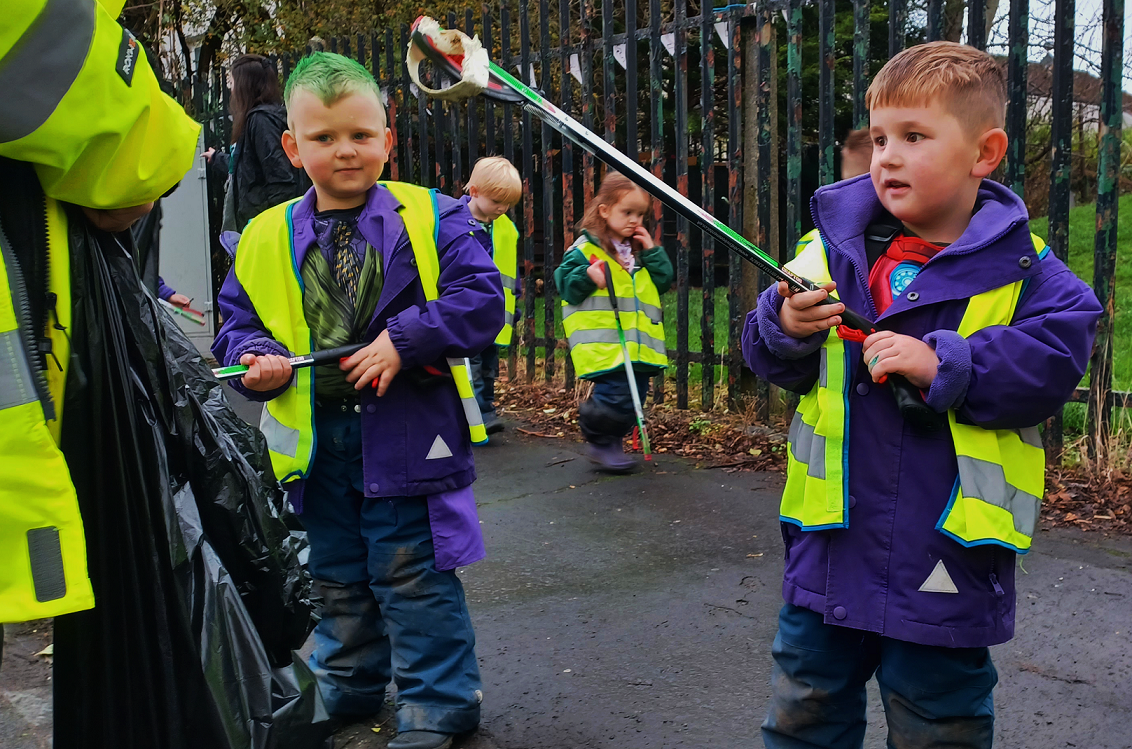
<point x="47" y="349"/>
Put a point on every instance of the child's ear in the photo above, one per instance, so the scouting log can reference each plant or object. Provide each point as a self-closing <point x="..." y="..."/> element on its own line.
<point x="992" y="150"/>
<point x="603" y="210"/>
<point x="291" y="148"/>
<point x="473" y="191"/>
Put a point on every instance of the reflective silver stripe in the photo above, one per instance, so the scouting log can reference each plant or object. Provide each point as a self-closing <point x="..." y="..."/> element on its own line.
<point x="39" y="70"/>
<point x="601" y="303"/>
<point x="605" y="335"/>
<point x="508" y="282"/>
<point x="1031" y="436"/>
<point x="807" y="446"/>
<point x="281" y="438"/>
<point x="471" y="407"/>
<point x="987" y="481"/>
<point x="822" y="368"/>
<point x="16" y="385"/>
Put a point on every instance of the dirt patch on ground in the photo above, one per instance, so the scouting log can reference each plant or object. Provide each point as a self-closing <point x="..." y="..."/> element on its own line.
<point x="1075" y="497"/>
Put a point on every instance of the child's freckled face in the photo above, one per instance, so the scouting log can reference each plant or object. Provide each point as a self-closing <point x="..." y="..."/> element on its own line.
<point x="343" y="147"/>
<point x="922" y="164"/>
<point x="624" y="216"/>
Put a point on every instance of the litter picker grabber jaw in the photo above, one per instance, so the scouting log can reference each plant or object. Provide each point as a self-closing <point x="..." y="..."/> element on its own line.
<point x="443" y="49"/>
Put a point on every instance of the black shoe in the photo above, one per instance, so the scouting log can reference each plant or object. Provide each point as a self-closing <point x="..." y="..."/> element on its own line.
<point x="492" y="424"/>
<point x="421" y="740"/>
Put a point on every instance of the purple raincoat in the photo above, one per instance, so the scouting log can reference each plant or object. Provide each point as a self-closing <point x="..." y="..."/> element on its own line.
<point x="400" y="428"/>
<point x="869" y="576"/>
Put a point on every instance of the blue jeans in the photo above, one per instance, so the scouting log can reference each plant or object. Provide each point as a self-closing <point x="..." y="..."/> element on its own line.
<point x="932" y="696"/>
<point x="388" y="613"/>
<point x="484" y="371"/>
<point x="608" y="415"/>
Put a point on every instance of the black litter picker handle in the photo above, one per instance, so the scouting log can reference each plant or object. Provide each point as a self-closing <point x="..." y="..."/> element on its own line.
<point x="505" y="88"/>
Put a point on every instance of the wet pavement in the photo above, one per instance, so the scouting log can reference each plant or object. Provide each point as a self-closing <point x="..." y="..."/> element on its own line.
<point x="638" y="611"/>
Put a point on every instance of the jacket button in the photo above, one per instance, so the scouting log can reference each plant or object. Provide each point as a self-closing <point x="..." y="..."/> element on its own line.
<point x="373" y="488"/>
<point x="371" y="408"/>
<point x="840" y="613"/>
<point x="357" y="408"/>
<point x="862" y="389"/>
<point x="913" y="296"/>
<point x="852" y="501"/>
<point x="1025" y="261"/>
<point x="471" y="222"/>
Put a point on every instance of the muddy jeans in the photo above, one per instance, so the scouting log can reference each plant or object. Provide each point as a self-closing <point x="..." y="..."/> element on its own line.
<point x="387" y="612"/>
<point x="932" y="696"/>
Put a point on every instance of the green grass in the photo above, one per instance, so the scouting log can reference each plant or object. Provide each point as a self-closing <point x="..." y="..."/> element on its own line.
<point x="1082" y="235"/>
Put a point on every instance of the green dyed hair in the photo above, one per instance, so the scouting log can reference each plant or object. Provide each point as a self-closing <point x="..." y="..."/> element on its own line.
<point x="330" y="76"/>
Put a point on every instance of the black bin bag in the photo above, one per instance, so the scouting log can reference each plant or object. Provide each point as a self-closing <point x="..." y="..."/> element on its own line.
<point x="201" y="596"/>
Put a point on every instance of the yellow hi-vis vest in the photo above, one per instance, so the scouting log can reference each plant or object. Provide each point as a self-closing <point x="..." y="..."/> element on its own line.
<point x="504" y="250"/>
<point x="267" y="270"/>
<point x="82" y="104"/>
<point x="41" y="529"/>
<point x="591" y="327"/>
<point x="1001" y="477"/>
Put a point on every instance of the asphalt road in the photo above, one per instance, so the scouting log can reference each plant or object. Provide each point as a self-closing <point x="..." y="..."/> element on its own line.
<point x="638" y="611"/>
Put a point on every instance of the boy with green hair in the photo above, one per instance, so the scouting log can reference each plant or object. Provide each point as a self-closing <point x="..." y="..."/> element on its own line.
<point x="385" y="490"/>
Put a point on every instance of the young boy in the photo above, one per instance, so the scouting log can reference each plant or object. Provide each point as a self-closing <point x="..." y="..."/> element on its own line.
<point x="492" y="190"/>
<point x="385" y="489"/>
<point x="901" y="545"/>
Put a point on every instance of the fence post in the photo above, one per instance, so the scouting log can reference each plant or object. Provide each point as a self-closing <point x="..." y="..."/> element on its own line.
<point x="860" y="62"/>
<point x="897" y="19"/>
<point x="1061" y="134"/>
<point x="682" y="228"/>
<point x="752" y="279"/>
<point x="568" y="214"/>
<point x="794" y="126"/>
<point x="1017" y="65"/>
<point x="828" y="57"/>
<point x="549" y="233"/>
<point x="1108" y="201"/>
<point x="528" y="196"/>
<point x="656" y="115"/>
<point x="707" y="200"/>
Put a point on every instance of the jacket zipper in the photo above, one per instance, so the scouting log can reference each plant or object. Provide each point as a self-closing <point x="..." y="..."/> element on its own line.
<point x="22" y="308"/>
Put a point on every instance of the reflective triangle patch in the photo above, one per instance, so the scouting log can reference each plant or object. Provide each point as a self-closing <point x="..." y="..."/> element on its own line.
<point x="440" y="450"/>
<point x="939" y="581"/>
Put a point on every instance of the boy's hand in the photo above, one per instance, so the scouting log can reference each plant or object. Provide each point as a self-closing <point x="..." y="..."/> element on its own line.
<point x="802" y="315"/>
<point x="597" y="274"/>
<point x="179" y="300"/>
<point x="116" y="219"/>
<point x="891" y="353"/>
<point x="376" y="364"/>
<point x="642" y="240"/>
<point x="266" y="373"/>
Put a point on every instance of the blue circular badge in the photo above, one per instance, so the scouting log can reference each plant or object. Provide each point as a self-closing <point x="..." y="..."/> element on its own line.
<point x="901" y="276"/>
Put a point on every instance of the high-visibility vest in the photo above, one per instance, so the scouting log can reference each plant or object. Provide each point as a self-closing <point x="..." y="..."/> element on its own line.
<point x="82" y="104"/>
<point x="269" y="275"/>
<point x="1001" y="478"/>
<point x="41" y="529"/>
<point x="504" y="250"/>
<point x="591" y="327"/>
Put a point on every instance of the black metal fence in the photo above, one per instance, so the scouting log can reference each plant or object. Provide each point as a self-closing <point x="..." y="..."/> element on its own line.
<point x="696" y="99"/>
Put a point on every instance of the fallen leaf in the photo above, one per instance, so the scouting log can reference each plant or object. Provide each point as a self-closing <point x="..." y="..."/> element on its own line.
<point x="47" y="651"/>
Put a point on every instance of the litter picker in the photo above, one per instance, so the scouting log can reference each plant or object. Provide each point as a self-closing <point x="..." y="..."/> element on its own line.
<point x="186" y="312"/>
<point x="466" y="63"/>
<point x="327" y="356"/>
<point x="628" y="362"/>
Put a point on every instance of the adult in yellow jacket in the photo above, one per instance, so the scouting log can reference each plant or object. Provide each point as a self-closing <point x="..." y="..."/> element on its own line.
<point x="83" y="123"/>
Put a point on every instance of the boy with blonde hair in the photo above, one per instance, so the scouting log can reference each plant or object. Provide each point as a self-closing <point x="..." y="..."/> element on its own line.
<point x="492" y="190"/>
<point x="901" y="545"/>
<point x="385" y="490"/>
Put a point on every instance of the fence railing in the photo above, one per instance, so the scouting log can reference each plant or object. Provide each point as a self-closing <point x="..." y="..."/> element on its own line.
<point x="696" y="99"/>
